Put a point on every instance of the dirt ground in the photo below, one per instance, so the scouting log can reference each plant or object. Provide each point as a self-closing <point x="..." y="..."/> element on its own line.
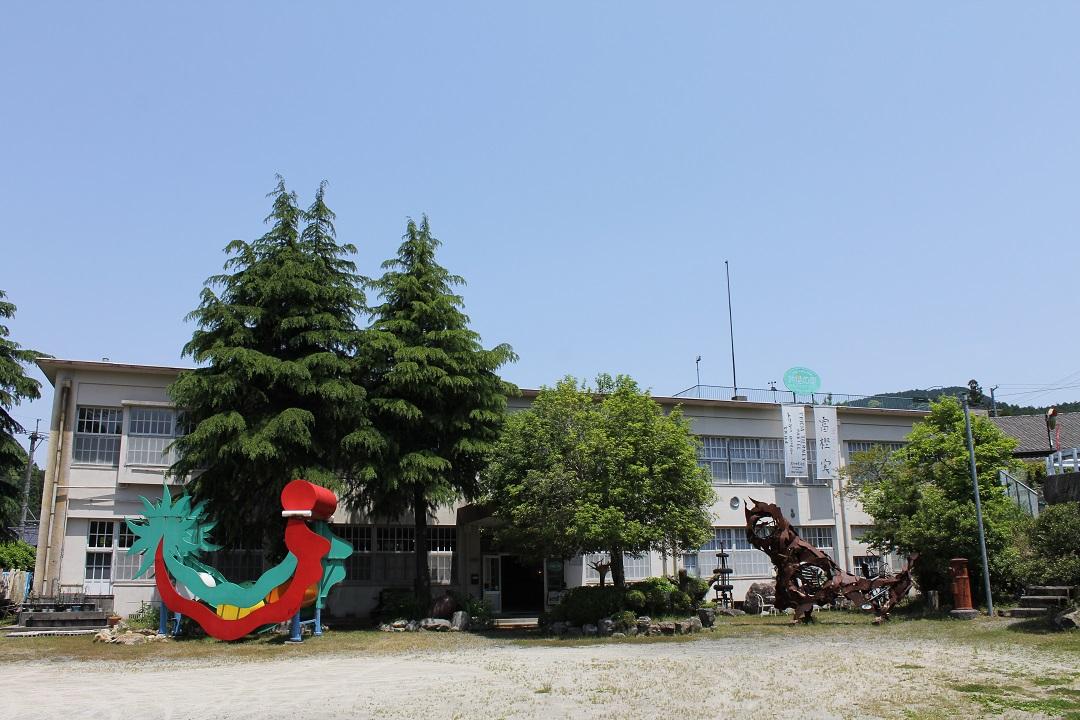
<point x="833" y="670"/>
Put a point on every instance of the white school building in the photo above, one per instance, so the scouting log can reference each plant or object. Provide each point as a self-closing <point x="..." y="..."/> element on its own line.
<point x="112" y="424"/>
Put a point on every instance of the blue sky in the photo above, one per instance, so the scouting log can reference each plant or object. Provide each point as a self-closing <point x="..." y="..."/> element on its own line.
<point x="895" y="186"/>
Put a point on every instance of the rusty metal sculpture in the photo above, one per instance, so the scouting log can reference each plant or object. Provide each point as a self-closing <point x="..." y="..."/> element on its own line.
<point x="805" y="576"/>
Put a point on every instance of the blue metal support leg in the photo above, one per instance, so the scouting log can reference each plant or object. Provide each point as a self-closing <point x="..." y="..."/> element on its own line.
<point x="295" y="636"/>
<point x="163" y="620"/>
<point x="318" y="621"/>
<point x="176" y="624"/>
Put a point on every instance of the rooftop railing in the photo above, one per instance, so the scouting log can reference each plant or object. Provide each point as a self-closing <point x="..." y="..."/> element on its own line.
<point x="771" y="395"/>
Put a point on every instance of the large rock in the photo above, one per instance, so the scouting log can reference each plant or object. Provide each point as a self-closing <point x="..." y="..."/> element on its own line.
<point x="706" y="616"/>
<point x="588" y="630"/>
<point x="752" y="603"/>
<point x="730" y="612"/>
<point x="460" y="621"/>
<point x="1068" y="620"/>
<point x="444" y="607"/>
<point x="695" y="624"/>
<point x="643" y="624"/>
<point x="435" y="624"/>
<point x="605" y="627"/>
<point x="557" y="628"/>
<point x="412" y="626"/>
<point x="667" y="628"/>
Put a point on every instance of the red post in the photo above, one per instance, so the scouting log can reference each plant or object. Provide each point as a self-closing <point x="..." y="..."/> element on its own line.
<point x="961" y="588"/>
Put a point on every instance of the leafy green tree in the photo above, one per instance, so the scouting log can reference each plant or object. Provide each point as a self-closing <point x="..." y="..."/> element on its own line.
<point x="15" y="386"/>
<point x="605" y="471"/>
<point x="436" y="400"/>
<point x="278" y="395"/>
<point x="922" y="500"/>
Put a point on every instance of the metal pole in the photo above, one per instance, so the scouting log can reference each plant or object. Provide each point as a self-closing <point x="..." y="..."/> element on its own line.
<point x="978" y="509"/>
<point x="731" y="328"/>
<point x="34" y="437"/>
<point x="993" y="402"/>
<point x="697" y="369"/>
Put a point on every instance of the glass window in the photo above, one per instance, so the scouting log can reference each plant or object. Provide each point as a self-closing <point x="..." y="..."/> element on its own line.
<point x="819" y="537"/>
<point x="635" y="567"/>
<point x="97" y="436"/>
<point x="442" y="539"/>
<point x="440" y="567"/>
<point x="395" y="539"/>
<point x="100" y="534"/>
<point x="151" y="431"/>
<point x="98" y="566"/>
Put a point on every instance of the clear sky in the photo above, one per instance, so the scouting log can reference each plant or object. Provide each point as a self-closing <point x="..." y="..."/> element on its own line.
<point x="895" y="186"/>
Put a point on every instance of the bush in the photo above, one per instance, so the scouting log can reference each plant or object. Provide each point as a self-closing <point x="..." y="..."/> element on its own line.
<point x="146" y="617"/>
<point x="697" y="588"/>
<point x="657" y="592"/>
<point x="624" y="620"/>
<point x="17" y="555"/>
<point x="1054" y="556"/>
<point x="397" y="604"/>
<point x="589" y="603"/>
<point x="635" y="600"/>
<point x="479" y="611"/>
<point x="680" y="602"/>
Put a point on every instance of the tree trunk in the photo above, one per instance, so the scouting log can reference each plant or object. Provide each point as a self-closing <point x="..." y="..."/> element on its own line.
<point x="618" y="574"/>
<point x="422" y="585"/>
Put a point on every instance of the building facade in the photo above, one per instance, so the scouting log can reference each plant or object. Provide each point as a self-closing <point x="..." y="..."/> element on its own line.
<point x="109" y="444"/>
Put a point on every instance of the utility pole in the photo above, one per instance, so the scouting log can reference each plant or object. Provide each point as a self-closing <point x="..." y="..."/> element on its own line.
<point x="731" y="330"/>
<point x="993" y="402"/>
<point x="34" y="438"/>
<point x="697" y="368"/>
<point x="978" y="508"/>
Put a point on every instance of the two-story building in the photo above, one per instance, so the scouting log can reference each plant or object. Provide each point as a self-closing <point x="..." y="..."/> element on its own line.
<point x="109" y="443"/>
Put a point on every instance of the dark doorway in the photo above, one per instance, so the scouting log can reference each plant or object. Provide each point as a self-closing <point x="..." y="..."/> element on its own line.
<point x="522" y="585"/>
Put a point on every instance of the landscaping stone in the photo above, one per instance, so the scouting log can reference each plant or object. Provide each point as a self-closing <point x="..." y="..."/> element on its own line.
<point x="655" y="629"/>
<point x="412" y="626"/>
<point x="632" y="631"/>
<point x="435" y="624"/>
<point x="751" y="603"/>
<point x="618" y="635"/>
<point x="1068" y="620"/>
<point x="695" y="624"/>
<point x="643" y="624"/>
<point x="707" y="616"/>
<point x="729" y="612"/>
<point x="605" y="627"/>
<point x="573" y="632"/>
<point x="667" y="628"/>
<point x="460" y="621"/>
<point x="588" y="630"/>
<point x="557" y="628"/>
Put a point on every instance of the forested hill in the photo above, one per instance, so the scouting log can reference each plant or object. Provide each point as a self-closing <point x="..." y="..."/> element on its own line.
<point x="1003" y="408"/>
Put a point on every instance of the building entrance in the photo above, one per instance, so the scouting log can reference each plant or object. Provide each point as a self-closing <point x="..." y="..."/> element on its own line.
<point x="522" y="585"/>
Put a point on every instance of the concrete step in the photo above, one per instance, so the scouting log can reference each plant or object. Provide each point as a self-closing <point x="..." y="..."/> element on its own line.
<point x="1027" y="612"/>
<point x="1043" y="601"/>
<point x="67" y="619"/>
<point x="1062" y="590"/>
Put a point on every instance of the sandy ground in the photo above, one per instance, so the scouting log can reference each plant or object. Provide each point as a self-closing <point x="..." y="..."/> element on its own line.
<point x="782" y="677"/>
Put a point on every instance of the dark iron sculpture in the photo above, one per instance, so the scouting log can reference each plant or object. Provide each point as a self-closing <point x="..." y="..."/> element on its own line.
<point x="721" y="579"/>
<point x="805" y="576"/>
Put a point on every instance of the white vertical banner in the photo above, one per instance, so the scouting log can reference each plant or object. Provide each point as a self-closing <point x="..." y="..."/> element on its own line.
<point x="794" y="421"/>
<point x="826" y="442"/>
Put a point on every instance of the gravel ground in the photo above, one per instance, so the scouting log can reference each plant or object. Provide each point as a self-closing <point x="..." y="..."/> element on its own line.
<point x="789" y="675"/>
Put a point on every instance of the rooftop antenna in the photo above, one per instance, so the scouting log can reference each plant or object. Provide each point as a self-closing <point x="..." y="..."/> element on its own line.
<point x="731" y="330"/>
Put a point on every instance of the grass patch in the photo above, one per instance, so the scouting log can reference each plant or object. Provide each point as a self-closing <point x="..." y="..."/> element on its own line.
<point x="911" y="666"/>
<point x="546" y="688"/>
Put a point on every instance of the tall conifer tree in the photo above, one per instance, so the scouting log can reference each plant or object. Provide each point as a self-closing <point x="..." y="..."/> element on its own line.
<point x="436" y="399"/>
<point x="277" y="397"/>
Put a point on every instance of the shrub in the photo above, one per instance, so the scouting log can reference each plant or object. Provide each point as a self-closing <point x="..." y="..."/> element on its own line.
<point x="680" y="601"/>
<point x="657" y="592"/>
<point x="17" y="555"/>
<point x="624" y="620"/>
<point x="479" y="611"/>
<point x="697" y="588"/>
<point x="397" y="604"/>
<point x="635" y="600"/>
<point x="1055" y="551"/>
<point x="147" y="616"/>
<point x="589" y="603"/>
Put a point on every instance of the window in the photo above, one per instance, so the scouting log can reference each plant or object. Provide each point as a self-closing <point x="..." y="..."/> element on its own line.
<point x="867" y="565"/>
<point x="858" y="532"/>
<point x="107" y="559"/>
<point x="237" y="564"/>
<point x="97" y="436"/>
<point x="819" y="537"/>
<point x="442" y="541"/>
<point x="150" y="433"/>
<point x="395" y="539"/>
<point x="750" y="461"/>
<point x="857" y="446"/>
<point x="358" y="565"/>
<point x="635" y="567"/>
<point x="689" y="561"/>
<point x="744" y="559"/>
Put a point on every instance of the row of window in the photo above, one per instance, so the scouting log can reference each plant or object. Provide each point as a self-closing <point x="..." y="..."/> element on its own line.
<point x="746" y="560"/>
<point x="760" y="461"/>
<point x="150" y="434"/>
<point x="393" y="559"/>
<point x="635" y="567"/>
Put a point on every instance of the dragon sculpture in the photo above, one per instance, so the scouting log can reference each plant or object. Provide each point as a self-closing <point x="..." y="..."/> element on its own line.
<point x="805" y="576"/>
<point x="174" y="534"/>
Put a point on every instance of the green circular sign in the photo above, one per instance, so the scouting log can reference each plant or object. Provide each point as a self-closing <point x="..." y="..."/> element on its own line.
<point x="802" y="380"/>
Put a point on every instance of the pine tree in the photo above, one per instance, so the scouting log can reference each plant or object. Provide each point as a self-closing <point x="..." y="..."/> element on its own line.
<point x="15" y="386"/>
<point x="277" y="397"/>
<point x="436" y="400"/>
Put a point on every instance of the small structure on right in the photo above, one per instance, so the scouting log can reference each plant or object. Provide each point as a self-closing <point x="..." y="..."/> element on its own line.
<point x="806" y="576"/>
